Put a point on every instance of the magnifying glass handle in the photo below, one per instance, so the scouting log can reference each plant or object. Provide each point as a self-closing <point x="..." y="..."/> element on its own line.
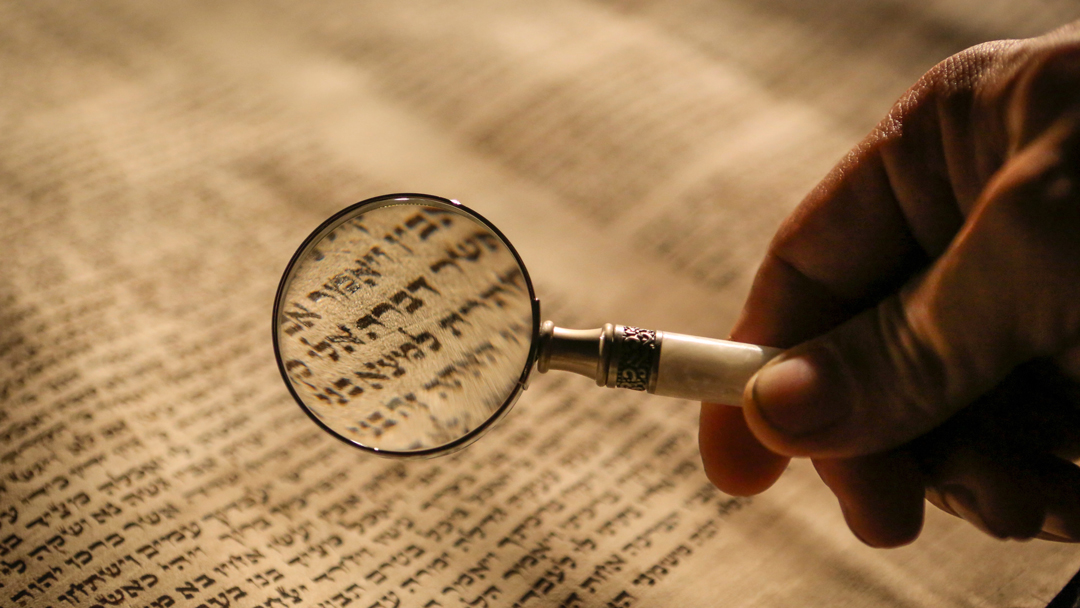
<point x="661" y="363"/>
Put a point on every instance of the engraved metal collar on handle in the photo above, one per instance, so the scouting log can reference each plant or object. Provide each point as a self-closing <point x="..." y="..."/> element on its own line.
<point x="615" y="356"/>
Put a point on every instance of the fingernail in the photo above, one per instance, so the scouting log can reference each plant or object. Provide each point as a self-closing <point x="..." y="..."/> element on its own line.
<point x="1060" y="528"/>
<point x="1054" y="538"/>
<point x="789" y="394"/>
<point x="854" y="528"/>
<point x="963" y="502"/>
<point x="937" y="498"/>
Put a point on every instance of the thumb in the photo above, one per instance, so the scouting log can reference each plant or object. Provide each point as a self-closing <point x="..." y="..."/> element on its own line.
<point x="1005" y="291"/>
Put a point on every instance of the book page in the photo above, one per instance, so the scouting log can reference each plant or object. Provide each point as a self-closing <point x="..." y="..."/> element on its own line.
<point x="161" y="163"/>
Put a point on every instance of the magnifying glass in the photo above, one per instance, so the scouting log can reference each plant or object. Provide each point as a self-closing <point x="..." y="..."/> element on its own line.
<point x="407" y="325"/>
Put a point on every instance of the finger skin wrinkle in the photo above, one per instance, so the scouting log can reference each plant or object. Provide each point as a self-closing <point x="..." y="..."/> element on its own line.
<point x="921" y="381"/>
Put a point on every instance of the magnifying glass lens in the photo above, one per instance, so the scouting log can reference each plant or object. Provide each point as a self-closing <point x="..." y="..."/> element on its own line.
<point x="405" y="325"/>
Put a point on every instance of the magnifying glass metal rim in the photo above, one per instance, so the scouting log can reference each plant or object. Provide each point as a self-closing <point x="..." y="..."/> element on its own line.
<point x="389" y="200"/>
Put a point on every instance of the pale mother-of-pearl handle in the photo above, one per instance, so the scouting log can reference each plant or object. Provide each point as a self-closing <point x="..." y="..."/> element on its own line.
<point x="662" y="363"/>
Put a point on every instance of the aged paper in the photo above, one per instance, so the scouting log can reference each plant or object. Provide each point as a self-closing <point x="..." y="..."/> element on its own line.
<point x="160" y="162"/>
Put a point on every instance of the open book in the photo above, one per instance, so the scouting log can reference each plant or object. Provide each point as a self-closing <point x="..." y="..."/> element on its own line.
<point x="160" y="162"/>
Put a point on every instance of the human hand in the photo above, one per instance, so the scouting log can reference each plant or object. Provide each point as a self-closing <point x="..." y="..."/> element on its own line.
<point x="930" y="286"/>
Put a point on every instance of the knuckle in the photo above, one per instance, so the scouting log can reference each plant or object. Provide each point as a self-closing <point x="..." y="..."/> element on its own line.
<point x="1045" y="88"/>
<point x="970" y="68"/>
<point x="1052" y="72"/>
<point x="952" y="83"/>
